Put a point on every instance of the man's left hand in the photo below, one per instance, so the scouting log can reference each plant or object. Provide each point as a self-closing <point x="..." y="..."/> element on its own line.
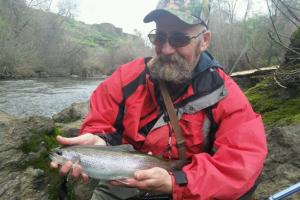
<point x="155" y="179"/>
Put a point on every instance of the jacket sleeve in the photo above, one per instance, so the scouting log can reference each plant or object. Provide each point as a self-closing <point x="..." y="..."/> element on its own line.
<point x="240" y="152"/>
<point x="104" y="107"/>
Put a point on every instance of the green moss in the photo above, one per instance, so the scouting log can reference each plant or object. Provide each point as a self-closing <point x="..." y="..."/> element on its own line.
<point x="32" y="145"/>
<point x="42" y="144"/>
<point x="57" y="131"/>
<point x="278" y="106"/>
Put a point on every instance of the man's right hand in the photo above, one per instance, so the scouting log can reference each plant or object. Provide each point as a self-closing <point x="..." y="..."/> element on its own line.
<point x="75" y="169"/>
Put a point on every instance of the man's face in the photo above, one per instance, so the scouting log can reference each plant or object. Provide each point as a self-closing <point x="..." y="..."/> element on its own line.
<point x="176" y="64"/>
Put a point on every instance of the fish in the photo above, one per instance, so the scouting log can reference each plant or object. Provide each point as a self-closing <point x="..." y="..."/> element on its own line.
<point x="110" y="162"/>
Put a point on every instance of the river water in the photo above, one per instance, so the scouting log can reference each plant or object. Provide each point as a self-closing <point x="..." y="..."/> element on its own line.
<point x="43" y="97"/>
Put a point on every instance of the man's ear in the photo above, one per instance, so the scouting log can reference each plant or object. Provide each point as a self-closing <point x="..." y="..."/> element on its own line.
<point x="205" y="41"/>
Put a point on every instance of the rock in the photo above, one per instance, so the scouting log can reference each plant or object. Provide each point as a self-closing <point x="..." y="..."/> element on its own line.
<point x="69" y="129"/>
<point x="108" y="27"/>
<point x="19" y="140"/>
<point x="38" y="124"/>
<point x="73" y="113"/>
<point x="282" y="167"/>
<point x="24" y="164"/>
<point x="82" y="191"/>
<point x="25" y="170"/>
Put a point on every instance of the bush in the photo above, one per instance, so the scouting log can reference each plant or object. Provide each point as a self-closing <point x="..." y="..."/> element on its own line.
<point x="293" y="56"/>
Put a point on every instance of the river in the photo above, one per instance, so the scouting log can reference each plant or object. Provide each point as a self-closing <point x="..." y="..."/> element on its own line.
<point x="43" y="97"/>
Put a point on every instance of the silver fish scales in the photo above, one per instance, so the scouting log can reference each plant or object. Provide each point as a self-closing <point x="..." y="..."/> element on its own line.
<point x="110" y="162"/>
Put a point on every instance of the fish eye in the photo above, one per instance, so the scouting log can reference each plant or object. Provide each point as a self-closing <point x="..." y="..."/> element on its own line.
<point x="59" y="152"/>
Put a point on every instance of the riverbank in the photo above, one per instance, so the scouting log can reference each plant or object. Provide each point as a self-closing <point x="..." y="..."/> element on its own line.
<point x="26" y="142"/>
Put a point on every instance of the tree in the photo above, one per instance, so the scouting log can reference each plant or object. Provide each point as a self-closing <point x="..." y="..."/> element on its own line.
<point x="67" y="8"/>
<point x="292" y="55"/>
<point x="285" y="18"/>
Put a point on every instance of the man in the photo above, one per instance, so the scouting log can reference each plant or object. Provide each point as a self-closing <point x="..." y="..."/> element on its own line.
<point x="128" y="108"/>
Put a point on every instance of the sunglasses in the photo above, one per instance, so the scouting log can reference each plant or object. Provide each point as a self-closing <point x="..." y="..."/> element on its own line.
<point x="176" y="39"/>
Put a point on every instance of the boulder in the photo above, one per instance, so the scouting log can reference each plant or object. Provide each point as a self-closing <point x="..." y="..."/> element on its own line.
<point x="25" y="173"/>
<point x="73" y="113"/>
<point x="21" y="147"/>
<point x="26" y="142"/>
<point x="108" y="28"/>
<point x="69" y="129"/>
<point x="282" y="167"/>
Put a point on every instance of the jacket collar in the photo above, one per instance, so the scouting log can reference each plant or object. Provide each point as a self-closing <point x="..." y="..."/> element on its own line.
<point x="205" y="61"/>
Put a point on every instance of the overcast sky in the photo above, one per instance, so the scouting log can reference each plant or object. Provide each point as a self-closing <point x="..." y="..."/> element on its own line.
<point x="129" y="14"/>
<point x="125" y="14"/>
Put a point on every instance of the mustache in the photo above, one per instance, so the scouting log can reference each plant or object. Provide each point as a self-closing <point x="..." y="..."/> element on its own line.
<point x="169" y="59"/>
<point x="172" y="68"/>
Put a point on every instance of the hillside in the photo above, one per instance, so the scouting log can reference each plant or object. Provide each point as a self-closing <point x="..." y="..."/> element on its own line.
<point x="37" y="43"/>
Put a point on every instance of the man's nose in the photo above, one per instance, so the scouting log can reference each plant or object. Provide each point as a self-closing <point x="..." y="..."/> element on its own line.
<point x="167" y="49"/>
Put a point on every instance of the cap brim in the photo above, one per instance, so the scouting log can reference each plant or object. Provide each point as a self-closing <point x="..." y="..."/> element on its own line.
<point x="155" y="14"/>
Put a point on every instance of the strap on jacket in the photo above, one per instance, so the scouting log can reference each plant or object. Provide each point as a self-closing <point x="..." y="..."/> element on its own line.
<point x="171" y="114"/>
<point x="173" y="118"/>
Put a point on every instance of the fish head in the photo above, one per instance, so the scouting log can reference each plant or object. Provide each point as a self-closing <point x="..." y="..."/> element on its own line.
<point x="61" y="155"/>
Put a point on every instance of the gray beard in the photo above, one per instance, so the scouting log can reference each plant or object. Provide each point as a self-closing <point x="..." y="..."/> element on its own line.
<point x="172" y="69"/>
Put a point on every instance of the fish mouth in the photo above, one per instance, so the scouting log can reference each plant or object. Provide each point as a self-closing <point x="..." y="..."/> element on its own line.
<point x="56" y="155"/>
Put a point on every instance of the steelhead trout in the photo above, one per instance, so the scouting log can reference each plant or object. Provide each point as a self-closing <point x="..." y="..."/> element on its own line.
<point x="110" y="162"/>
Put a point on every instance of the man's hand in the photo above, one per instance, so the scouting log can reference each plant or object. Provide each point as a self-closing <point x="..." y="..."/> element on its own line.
<point x="75" y="169"/>
<point x="155" y="179"/>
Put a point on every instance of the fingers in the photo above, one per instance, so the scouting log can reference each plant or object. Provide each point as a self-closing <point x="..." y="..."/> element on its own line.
<point x="87" y="138"/>
<point x="77" y="173"/>
<point x="129" y="182"/>
<point x="85" y="177"/>
<point x="121" y="182"/>
<point x="74" y="169"/>
<point x="71" y="141"/>
<point x="154" y="179"/>
<point x="53" y="165"/>
<point x="64" y="170"/>
<point x="142" y="175"/>
<point x="147" y="174"/>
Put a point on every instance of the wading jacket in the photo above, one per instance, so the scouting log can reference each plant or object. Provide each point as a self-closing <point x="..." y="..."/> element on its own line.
<point x="127" y="108"/>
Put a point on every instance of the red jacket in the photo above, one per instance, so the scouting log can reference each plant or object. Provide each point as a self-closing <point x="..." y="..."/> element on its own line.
<point x="127" y="108"/>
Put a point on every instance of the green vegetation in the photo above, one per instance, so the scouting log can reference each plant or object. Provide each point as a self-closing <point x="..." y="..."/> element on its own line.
<point x="277" y="105"/>
<point x="41" y="144"/>
<point x="292" y="54"/>
<point x="38" y="43"/>
<point x="295" y="37"/>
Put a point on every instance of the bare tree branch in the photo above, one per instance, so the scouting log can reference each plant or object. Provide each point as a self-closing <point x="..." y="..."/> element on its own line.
<point x="278" y="83"/>
<point x="281" y="44"/>
<point x="245" y="49"/>
<point x="272" y="21"/>
<point x="247" y="10"/>
<point x="284" y="14"/>
<point x="290" y="11"/>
